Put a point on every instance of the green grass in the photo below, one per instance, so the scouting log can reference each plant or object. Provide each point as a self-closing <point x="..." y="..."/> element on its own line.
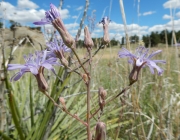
<point x="151" y="97"/>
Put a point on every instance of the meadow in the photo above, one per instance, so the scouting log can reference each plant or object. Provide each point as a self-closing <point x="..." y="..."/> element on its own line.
<point x="150" y="108"/>
<point x="89" y="93"/>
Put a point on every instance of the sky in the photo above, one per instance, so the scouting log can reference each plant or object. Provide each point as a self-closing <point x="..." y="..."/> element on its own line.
<point x="142" y="16"/>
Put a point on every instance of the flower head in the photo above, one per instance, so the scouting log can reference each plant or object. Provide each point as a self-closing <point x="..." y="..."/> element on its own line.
<point x="141" y="59"/>
<point x="105" y="21"/>
<point x="35" y="64"/>
<point x="50" y="16"/>
<point x="57" y="49"/>
<point x="53" y="17"/>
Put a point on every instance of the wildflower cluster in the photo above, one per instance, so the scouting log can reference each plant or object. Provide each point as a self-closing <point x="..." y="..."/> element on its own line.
<point x="54" y="55"/>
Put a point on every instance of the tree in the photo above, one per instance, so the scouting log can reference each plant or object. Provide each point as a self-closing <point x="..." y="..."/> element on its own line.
<point x="134" y="38"/>
<point x="122" y="41"/>
<point x="1" y="24"/>
<point x="114" y="42"/>
<point x="13" y="24"/>
<point x="146" y="40"/>
<point x="155" y="39"/>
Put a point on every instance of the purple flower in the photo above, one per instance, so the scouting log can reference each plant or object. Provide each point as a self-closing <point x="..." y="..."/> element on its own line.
<point x="51" y="15"/>
<point x="35" y="64"/>
<point x="141" y="59"/>
<point x="105" y="20"/>
<point x="57" y="49"/>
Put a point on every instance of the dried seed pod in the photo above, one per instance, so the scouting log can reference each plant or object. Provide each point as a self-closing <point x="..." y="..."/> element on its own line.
<point x="100" y="131"/>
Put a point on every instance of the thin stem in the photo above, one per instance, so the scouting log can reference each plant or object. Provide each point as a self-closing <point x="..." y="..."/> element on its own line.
<point x="88" y="98"/>
<point x="79" y="60"/>
<point x="88" y="58"/>
<point x="63" y="109"/>
<point x="123" y="91"/>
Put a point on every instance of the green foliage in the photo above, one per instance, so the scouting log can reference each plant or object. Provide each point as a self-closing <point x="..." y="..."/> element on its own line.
<point x="1" y="24"/>
<point x="114" y="42"/>
<point x="14" y="24"/>
<point x="122" y="41"/>
<point x="160" y="37"/>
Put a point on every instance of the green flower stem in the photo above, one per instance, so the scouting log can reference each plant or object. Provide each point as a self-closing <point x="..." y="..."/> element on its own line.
<point x="15" y="116"/>
<point x="5" y="137"/>
<point x="31" y="103"/>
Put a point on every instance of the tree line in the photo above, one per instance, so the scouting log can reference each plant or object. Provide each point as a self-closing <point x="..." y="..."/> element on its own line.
<point x="161" y="37"/>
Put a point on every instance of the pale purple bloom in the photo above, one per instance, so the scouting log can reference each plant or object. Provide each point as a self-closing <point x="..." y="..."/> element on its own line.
<point x="177" y="45"/>
<point x="51" y="15"/>
<point x="105" y="20"/>
<point x="141" y="58"/>
<point x="57" y="48"/>
<point x="33" y="64"/>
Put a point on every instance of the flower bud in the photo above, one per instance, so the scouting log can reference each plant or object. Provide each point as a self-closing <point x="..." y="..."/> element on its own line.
<point x="42" y="84"/>
<point x="62" y="101"/>
<point x="85" y="78"/>
<point x="102" y="95"/>
<point x="67" y="38"/>
<point x="106" y="39"/>
<point x="87" y="39"/>
<point x="100" y="131"/>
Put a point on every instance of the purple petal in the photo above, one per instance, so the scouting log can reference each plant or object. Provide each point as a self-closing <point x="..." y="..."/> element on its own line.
<point x="154" y="53"/>
<point x="159" y="61"/>
<point x="33" y="70"/>
<point x="151" y="69"/>
<point x="15" y="66"/>
<point x="153" y="65"/>
<point x="42" y="22"/>
<point x="17" y="76"/>
<point x="47" y="66"/>
<point x="54" y="10"/>
<point x="126" y="53"/>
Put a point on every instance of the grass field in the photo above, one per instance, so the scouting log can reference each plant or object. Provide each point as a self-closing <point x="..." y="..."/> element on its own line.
<point x="149" y="109"/>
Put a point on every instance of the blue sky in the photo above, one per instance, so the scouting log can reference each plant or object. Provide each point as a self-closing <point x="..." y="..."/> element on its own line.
<point x="142" y="16"/>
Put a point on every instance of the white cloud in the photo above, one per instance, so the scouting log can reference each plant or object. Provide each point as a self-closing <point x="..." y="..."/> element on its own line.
<point x="117" y="30"/>
<point x="24" y="15"/>
<point x="167" y="16"/>
<point x="23" y="4"/>
<point x="71" y="26"/>
<point x="178" y="14"/>
<point x="172" y="4"/>
<point x="148" y="13"/>
<point x="68" y="6"/>
<point x="64" y="13"/>
<point x="167" y="26"/>
<point x="75" y="17"/>
<point x="157" y="28"/>
<point x="79" y="8"/>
